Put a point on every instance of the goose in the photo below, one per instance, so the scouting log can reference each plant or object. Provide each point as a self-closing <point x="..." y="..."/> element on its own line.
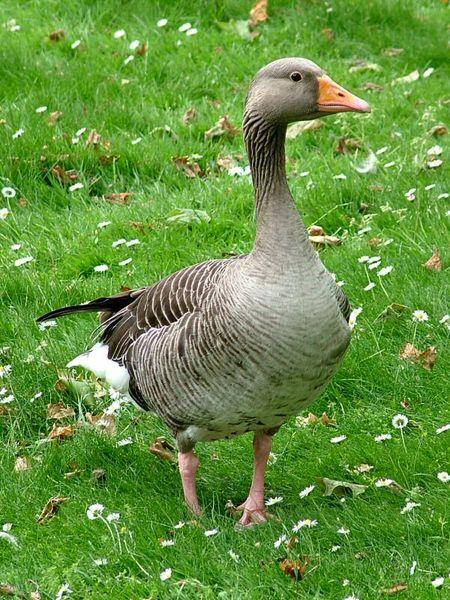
<point x="240" y="344"/>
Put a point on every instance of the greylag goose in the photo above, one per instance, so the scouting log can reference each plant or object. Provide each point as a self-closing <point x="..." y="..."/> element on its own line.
<point x="240" y="344"/>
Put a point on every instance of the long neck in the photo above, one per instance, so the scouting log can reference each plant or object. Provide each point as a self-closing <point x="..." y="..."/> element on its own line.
<point x="280" y="230"/>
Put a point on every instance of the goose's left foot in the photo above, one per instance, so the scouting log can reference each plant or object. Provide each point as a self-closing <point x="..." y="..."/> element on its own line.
<point x="254" y="508"/>
<point x="188" y="464"/>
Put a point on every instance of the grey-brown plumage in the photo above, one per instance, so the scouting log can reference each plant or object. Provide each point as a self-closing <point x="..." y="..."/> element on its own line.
<point x="240" y="344"/>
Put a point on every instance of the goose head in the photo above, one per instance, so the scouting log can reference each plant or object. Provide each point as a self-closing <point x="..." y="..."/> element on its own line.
<point x="296" y="89"/>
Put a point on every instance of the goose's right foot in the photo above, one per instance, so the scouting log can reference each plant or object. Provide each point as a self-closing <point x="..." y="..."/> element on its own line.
<point x="188" y="464"/>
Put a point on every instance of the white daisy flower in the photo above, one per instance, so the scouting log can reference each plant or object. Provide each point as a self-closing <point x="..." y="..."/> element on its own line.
<point x="95" y="511"/>
<point x="419" y="316"/>
<point x="7" y="399"/>
<point x="162" y="23"/>
<point x="46" y="324"/>
<point x="389" y="165"/>
<point x="427" y="72"/>
<point x="100" y="561"/>
<point x="40" y="109"/>
<point x="307" y="491"/>
<point x="233" y="555"/>
<point x="76" y="186"/>
<point x="16" y="247"/>
<point x="443" y="428"/>
<point x="364" y="230"/>
<point x="411" y="194"/>
<point x="103" y="224"/>
<point x="166" y="574"/>
<point x="23" y="261"/>
<point x="125" y="442"/>
<point x="132" y="243"/>
<point x="120" y="33"/>
<point x="338" y="439"/>
<point x="373" y="259"/>
<point x="353" y="316"/>
<point x="434" y="164"/>
<point x="179" y="525"/>
<point x="400" y="421"/>
<point x="382" y="437"/>
<point x="4" y="212"/>
<point x="443" y="196"/>
<point x="74" y="45"/>
<point x="430" y="187"/>
<point x="17" y="134"/>
<point x="443" y="476"/>
<point x="8" y="192"/>
<point x="383" y="482"/>
<point x="192" y="31"/>
<point x="369" y="286"/>
<point x="351" y="598"/>
<point x="438" y="582"/>
<point x="167" y="543"/>
<point x="381" y="150"/>
<point x="335" y="548"/>
<point x="128" y="59"/>
<point x="101" y="268"/>
<point x="341" y="176"/>
<point x="304" y="523"/>
<point x="138" y="140"/>
<point x="374" y="265"/>
<point x="134" y="44"/>
<point x="409" y="506"/>
<point x="211" y="532"/>
<point x="112" y="517"/>
<point x="385" y="271"/>
<point x="363" y="259"/>
<point x="184" y="27"/>
<point x="412" y="568"/>
<point x="304" y="174"/>
<point x="63" y="591"/>
<point x="272" y="501"/>
<point x="119" y="242"/>
<point x="434" y="150"/>
<point x="280" y="540"/>
<point x="343" y="530"/>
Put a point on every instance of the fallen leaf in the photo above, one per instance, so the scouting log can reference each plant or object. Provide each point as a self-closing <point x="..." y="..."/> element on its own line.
<point x="325" y="240"/>
<point x="316" y="230"/>
<point x="372" y="87"/>
<point x="369" y="165"/>
<point x="292" y="541"/>
<point x="60" y="432"/>
<point x="258" y="13"/>
<point x="405" y="404"/>
<point x="59" y="411"/>
<point x="190" y="115"/>
<point x="414" y="76"/>
<point x="98" y="476"/>
<point x="108" y="159"/>
<point x="328" y="33"/>
<point x="119" y="198"/>
<point x="241" y="28"/>
<point x="438" y="130"/>
<point x="163" y="449"/>
<point x="103" y="423"/>
<point x="374" y="242"/>
<point x="326" y="420"/>
<point x="361" y="66"/>
<point x="393" y="51"/>
<point x="348" y="145"/>
<point x="426" y="358"/>
<point x="340" y="488"/>
<point x="22" y="464"/>
<point x="93" y="138"/>
<point x="4" y="410"/>
<point x="225" y="163"/>
<point x="395" y="589"/>
<point x="189" y="167"/>
<point x="297" y="128"/>
<point x="54" y="117"/>
<point x="434" y="263"/>
<point x="64" y="176"/>
<point x="363" y="468"/>
<point x="143" y="49"/>
<point x="57" y="36"/>
<point x="294" y="568"/>
<point x="223" y="127"/>
<point x="50" y="509"/>
<point x="9" y="590"/>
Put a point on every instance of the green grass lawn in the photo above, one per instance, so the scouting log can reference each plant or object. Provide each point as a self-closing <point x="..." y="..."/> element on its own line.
<point x="146" y="98"/>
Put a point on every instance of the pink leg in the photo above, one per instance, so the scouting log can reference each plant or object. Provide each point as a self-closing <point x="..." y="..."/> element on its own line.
<point x="188" y="464"/>
<point x="253" y="507"/>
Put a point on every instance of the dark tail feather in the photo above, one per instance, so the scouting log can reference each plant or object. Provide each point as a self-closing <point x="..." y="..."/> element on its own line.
<point x="108" y="305"/>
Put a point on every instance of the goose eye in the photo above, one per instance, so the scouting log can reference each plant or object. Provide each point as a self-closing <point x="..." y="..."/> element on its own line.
<point x="296" y="76"/>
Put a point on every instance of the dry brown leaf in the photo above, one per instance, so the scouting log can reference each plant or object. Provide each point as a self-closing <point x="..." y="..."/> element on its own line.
<point x="393" y="51"/>
<point x="22" y="464"/>
<point x="9" y="590"/>
<point x="325" y="240"/>
<point x="143" y="49"/>
<point x="119" y="198"/>
<point x="59" y="411"/>
<point x="258" y="13"/>
<point x="426" y="358"/>
<point x="64" y="176"/>
<point x="50" y="509"/>
<point x="4" y="410"/>
<point x="223" y="127"/>
<point x="54" y="117"/>
<point x="434" y="263"/>
<point x="190" y="168"/>
<point x="395" y="589"/>
<point x="163" y="449"/>
<point x="93" y="138"/>
<point x="316" y="230"/>
<point x="60" y="432"/>
<point x="292" y="541"/>
<point x="103" y="423"/>
<point x="190" y="115"/>
<point x="108" y="159"/>
<point x="348" y="145"/>
<point x="410" y="78"/>
<point x="294" y="568"/>
<point x="326" y="420"/>
<point x="225" y="163"/>
<point x="438" y="130"/>
<point x="57" y="36"/>
<point x="297" y="128"/>
<point x="328" y="33"/>
<point x="373" y="87"/>
<point x="374" y="242"/>
<point x="363" y="468"/>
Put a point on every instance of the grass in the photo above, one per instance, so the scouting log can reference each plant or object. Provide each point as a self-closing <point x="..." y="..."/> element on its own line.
<point x="211" y="71"/>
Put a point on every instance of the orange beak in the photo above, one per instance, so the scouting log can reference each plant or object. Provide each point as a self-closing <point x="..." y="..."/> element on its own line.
<point x="334" y="99"/>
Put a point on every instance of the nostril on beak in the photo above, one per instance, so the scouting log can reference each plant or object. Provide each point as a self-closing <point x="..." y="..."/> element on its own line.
<point x="341" y="95"/>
